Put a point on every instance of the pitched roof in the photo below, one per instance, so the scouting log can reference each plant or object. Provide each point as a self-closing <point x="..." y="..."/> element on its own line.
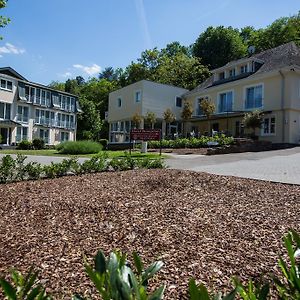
<point x="272" y="59"/>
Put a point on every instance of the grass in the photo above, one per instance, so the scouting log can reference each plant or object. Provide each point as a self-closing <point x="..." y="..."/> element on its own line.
<point x="53" y="152"/>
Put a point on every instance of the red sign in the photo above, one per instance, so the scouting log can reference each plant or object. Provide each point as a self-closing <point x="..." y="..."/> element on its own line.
<point x="145" y="134"/>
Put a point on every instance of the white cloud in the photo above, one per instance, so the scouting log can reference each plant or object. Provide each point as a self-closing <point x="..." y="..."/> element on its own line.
<point x="92" y="70"/>
<point x="10" y="49"/>
<point x="67" y="74"/>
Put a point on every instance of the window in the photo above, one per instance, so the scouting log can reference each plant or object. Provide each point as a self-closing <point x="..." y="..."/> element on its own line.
<point x="48" y="99"/>
<point x="42" y="117"/>
<point x="221" y="75"/>
<point x="23" y="113"/>
<point x="27" y="92"/>
<point x="22" y="134"/>
<point x="5" y="111"/>
<point x="44" y="135"/>
<point x="119" y="102"/>
<point x="178" y="102"/>
<point x="254" y="97"/>
<point x="138" y="96"/>
<point x="198" y="109"/>
<point x="64" y="136"/>
<point x="232" y="73"/>
<point x="73" y="104"/>
<point x="269" y="126"/>
<point x="244" y="69"/>
<point x="43" y="100"/>
<point x="38" y="97"/>
<point x="6" y="85"/>
<point x="55" y="100"/>
<point x="225" y="102"/>
<point x="32" y="94"/>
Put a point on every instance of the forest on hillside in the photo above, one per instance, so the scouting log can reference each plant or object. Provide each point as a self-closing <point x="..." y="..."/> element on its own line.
<point x="176" y="64"/>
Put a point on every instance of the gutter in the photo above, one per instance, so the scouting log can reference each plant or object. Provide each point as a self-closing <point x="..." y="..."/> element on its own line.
<point x="282" y="104"/>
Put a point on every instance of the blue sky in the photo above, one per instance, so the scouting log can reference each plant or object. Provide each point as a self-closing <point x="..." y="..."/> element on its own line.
<point x="56" y="39"/>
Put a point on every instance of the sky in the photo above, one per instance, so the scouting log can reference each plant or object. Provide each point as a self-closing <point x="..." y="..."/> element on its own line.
<point x="59" y="39"/>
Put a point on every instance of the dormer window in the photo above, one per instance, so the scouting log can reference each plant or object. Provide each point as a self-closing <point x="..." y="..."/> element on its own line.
<point x="232" y="73"/>
<point x="244" y="69"/>
<point x="222" y="76"/>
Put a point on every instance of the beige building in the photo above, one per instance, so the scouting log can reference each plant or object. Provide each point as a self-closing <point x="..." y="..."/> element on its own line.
<point x="140" y="98"/>
<point x="268" y="81"/>
<point x="30" y="110"/>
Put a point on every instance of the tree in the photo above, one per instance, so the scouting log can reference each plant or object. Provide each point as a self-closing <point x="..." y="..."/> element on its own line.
<point x="253" y="120"/>
<point x="109" y="74"/>
<point x="137" y="120"/>
<point x="208" y="108"/>
<point x="186" y="113"/>
<point x="3" y="20"/>
<point x="174" y="48"/>
<point x="219" y="45"/>
<point x="89" y="122"/>
<point x="169" y="117"/>
<point x="181" y="70"/>
<point x="150" y="118"/>
<point x="59" y="86"/>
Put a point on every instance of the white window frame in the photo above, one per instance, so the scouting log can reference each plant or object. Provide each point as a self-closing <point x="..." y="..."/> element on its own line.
<point x="219" y="99"/>
<point x="269" y="133"/>
<point x="5" y="88"/>
<point x="43" y="138"/>
<point x="176" y="101"/>
<point x="135" y="93"/>
<point x="245" y="95"/>
<point x="5" y="111"/>
<point x="22" y="134"/>
<point x="21" y="119"/>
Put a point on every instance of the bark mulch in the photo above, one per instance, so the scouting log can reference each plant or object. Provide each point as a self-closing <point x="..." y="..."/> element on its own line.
<point x="204" y="226"/>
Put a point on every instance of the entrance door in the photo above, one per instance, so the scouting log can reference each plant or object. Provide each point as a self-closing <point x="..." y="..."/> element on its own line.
<point x="4" y="133"/>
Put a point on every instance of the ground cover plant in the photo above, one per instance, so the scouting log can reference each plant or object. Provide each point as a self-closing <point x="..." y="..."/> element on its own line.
<point x="201" y="226"/>
<point x="191" y="142"/>
<point x="79" y="147"/>
<point x="16" y="169"/>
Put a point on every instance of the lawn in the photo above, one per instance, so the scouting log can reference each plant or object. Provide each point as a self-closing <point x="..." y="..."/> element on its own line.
<point x="204" y="226"/>
<point x="53" y="152"/>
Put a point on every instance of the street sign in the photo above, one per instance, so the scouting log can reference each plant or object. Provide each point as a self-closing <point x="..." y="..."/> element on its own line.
<point x="145" y="134"/>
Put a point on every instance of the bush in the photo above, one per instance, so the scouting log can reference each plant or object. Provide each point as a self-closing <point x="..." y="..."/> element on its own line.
<point x="24" y="145"/>
<point x="79" y="147"/>
<point x="38" y="144"/>
<point x="34" y="170"/>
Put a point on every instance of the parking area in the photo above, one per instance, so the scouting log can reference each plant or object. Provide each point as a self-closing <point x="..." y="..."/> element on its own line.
<point x="278" y="166"/>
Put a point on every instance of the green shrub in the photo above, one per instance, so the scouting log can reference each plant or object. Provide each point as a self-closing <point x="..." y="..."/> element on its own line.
<point x="38" y="144"/>
<point x="24" y="145"/>
<point x="104" y="143"/>
<point x="20" y="167"/>
<point x="23" y="287"/>
<point x="7" y="169"/>
<point x="34" y="170"/>
<point x="79" y="147"/>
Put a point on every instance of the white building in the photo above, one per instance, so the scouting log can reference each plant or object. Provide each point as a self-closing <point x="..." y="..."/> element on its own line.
<point x="30" y="110"/>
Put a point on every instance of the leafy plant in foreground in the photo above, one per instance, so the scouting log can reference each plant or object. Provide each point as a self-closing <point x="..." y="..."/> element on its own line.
<point x="252" y="291"/>
<point x="7" y="169"/>
<point x="114" y="279"/>
<point x="289" y="286"/>
<point x="23" y="287"/>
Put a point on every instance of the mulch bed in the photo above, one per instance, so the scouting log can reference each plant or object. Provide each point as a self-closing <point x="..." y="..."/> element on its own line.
<point x="204" y="226"/>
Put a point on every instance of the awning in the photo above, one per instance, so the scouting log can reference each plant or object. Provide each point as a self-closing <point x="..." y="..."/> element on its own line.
<point x="9" y="123"/>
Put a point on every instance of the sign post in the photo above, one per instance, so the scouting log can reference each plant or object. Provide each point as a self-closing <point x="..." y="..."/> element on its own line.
<point x="145" y="135"/>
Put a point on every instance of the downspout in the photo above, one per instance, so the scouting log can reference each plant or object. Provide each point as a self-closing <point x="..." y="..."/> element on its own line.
<point x="282" y="104"/>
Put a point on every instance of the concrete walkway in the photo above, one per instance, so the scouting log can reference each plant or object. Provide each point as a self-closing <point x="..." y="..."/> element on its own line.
<point x="278" y="166"/>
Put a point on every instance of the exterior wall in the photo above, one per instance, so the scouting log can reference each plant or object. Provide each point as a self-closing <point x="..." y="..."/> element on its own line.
<point x="12" y="98"/>
<point x="155" y="97"/>
<point x="286" y="111"/>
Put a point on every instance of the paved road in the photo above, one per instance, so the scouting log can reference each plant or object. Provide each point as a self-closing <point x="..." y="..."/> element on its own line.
<point x="279" y="166"/>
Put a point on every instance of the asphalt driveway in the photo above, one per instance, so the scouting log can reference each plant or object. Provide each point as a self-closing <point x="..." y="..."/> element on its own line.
<point x="278" y="166"/>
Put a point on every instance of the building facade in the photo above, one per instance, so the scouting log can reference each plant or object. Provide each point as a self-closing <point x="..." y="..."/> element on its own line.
<point x="140" y="98"/>
<point x="30" y="110"/>
<point x="268" y="81"/>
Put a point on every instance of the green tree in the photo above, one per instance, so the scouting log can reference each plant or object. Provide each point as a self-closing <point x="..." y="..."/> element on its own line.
<point x="59" y="86"/>
<point x="150" y="118"/>
<point x="219" y="45"/>
<point x="169" y="117"/>
<point x="3" y="20"/>
<point x="137" y="120"/>
<point x="186" y="114"/>
<point x="208" y="108"/>
<point x="174" y="48"/>
<point x="253" y="120"/>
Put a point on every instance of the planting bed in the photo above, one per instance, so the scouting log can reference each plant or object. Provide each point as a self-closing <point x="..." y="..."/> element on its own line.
<point x="204" y="226"/>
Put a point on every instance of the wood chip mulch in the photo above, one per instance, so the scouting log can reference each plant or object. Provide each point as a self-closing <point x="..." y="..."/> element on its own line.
<point x="204" y="226"/>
